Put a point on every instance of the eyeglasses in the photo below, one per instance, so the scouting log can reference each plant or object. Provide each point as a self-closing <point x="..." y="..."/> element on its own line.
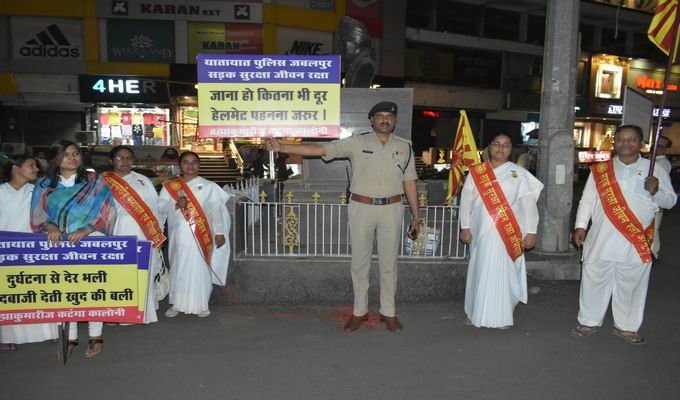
<point x="121" y="158"/>
<point x="506" y="145"/>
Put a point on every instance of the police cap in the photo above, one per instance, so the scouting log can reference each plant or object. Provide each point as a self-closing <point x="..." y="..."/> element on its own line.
<point x="383" y="106"/>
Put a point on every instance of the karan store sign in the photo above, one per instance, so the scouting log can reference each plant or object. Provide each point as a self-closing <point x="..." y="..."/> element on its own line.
<point x="178" y="10"/>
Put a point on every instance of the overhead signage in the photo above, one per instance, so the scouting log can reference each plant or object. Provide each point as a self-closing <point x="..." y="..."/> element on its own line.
<point x="122" y="89"/>
<point x="617" y="109"/>
<point x="221" y="38"/>
<point x="46" y="38"/>
<point x="141" y="41"/>
<point x="268" y="96"/>
<point x="181" y="10"/>
<point x="303" y="42"/>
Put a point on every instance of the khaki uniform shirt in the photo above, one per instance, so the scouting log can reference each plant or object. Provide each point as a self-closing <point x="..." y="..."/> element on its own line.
<point x="377" y="170"/>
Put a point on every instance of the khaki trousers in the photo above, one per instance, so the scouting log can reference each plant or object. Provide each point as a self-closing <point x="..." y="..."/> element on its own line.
<point x="364" y="222"/>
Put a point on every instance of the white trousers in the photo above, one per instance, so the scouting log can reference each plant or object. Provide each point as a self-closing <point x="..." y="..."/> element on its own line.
<point x="624" y="284"/>
<point x="95" y="329"/>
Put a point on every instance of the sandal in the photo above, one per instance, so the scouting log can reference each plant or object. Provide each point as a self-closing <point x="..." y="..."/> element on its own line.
<point x="630" y="337"/>
<point x="94" y="347"/>
<point x="581" y="331"/>
<point x="6" y="347"/>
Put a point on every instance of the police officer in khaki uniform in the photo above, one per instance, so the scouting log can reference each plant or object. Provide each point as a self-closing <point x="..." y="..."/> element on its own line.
<point x="383" y="169"/>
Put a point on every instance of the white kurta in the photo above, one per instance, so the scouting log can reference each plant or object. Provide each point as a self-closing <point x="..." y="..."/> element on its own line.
<point x="612" y="268"/>
<point x="190" y="277"/>
<point x="15" y="216"/>
<point x="126" y="225"/>
<point x="495" y="284"/>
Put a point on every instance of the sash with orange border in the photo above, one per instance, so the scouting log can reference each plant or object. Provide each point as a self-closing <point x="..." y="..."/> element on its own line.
<point x="130" y="200"/>
<point x="198" y="222"/>
<point x="498" y="208"/>
<point x="617" y="211"/>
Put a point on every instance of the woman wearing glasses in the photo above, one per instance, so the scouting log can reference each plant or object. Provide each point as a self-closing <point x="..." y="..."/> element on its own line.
<point x="137" y="205"/>
<point x="498" y="219"/>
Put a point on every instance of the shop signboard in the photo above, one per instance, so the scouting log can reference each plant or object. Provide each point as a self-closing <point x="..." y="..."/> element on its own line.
<point x="141" y="41"/>
<point x="592" y="156"/>
<point x="268" y="96"/>
<point x="477" y="69"/>
<point x="46" y="38"/>
<point x="181" y="10"/>
<point x="429" y="65"/>
<point x="221" y="38"/>
<point x="303" y="42"/>
<point x="368" y="12"/>
<point x="122" y="89"/>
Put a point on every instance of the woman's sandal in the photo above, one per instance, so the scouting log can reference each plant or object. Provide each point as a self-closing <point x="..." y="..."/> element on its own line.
<point x="581" y="331"/>
<point x="94" y="347"/>
<point x="630" y="337"/>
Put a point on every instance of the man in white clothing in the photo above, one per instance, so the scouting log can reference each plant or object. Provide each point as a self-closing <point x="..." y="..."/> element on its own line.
<point x="665" y="164"/>
<point x="616" y="253"/>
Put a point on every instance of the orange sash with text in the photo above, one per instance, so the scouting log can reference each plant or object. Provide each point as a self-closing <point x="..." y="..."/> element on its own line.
<point x="617" y="211"/>
<point x="198" y="222"/>
<point x="498" y="208"/>
<point x="132" y="202"/>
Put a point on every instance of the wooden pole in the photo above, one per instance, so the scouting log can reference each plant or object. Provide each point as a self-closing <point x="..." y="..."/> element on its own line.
<point x="666" y="78"/>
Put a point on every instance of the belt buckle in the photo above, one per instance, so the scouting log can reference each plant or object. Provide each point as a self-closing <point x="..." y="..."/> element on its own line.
<point x="379" y="201"/>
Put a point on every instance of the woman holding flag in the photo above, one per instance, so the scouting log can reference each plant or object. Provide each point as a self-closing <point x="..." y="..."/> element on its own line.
<point x="137" y="210"/>
<point x="70" y="204"/>
<point x="198" y="226"/>
<point x="498" y="219"/>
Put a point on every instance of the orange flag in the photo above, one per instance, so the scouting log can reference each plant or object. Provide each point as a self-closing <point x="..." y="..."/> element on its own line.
<point x="661" y="29"/>
<point x="463" y="156"/>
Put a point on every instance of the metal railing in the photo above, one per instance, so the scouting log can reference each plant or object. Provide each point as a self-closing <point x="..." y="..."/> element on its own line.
<point x="272" y="229"/>
<point x="249" y="187"/>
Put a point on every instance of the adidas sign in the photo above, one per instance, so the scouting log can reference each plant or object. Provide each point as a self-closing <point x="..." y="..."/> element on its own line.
<point x="50" y="42"/>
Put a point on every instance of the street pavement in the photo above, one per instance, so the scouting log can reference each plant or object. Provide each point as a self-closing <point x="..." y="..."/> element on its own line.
<point x="301" y="353"/>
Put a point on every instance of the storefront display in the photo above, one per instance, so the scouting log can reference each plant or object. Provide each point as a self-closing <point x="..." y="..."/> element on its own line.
<point x="133" y="126"/>
<point x="187" y="130"/>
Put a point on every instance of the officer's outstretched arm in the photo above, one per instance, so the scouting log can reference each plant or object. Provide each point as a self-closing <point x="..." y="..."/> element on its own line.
<point x="309" y="150"/>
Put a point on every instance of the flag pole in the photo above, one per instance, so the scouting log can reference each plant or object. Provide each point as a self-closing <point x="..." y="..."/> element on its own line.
<point x="666" y="78"/>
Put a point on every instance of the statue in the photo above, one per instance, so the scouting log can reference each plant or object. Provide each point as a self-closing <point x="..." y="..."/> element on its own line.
<point x="354" y="44"/>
